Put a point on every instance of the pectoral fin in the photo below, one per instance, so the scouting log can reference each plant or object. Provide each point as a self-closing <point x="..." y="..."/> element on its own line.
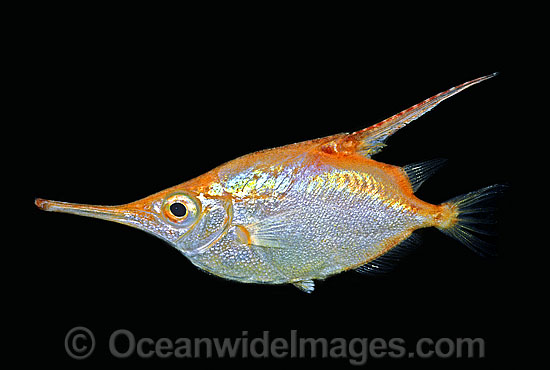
<point x="268" y="231"/>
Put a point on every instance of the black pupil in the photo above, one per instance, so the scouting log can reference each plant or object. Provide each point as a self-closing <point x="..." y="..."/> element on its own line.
<point x="178" y="209"/>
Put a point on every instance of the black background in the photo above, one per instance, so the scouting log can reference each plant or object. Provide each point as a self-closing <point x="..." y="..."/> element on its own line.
<point x="118" y="115"/>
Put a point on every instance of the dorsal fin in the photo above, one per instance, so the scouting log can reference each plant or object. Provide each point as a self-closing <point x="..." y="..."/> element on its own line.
<point x="386" y="262"/>
<point x="421" y="171"/>
<point x="371" y="140"/>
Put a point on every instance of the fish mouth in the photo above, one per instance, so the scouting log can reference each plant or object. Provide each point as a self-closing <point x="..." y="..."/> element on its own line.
<point x="118" y="214"/>
<point x="103" y="212"/>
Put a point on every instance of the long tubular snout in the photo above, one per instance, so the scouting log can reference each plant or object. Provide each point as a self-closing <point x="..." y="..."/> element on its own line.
<point x="111" y="213"/>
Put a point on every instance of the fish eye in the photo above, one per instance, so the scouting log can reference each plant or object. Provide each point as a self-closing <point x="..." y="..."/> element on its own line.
<point x="180" y="209"/>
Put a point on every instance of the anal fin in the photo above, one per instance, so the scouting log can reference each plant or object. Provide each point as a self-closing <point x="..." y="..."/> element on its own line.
<point x="387" y="262"/>
<point x="305" y="285"/>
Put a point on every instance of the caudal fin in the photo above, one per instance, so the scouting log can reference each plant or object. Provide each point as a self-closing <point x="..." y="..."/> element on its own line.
<point x="470" y="215"/>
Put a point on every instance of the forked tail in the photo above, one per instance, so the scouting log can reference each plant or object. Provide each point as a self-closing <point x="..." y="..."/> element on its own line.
<point x="467" y="215"/>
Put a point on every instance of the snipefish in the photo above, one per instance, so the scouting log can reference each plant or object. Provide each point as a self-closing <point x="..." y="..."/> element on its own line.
<point x="303" y="211"/>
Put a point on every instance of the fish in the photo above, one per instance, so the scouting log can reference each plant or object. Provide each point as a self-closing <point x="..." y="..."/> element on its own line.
<point x="305" y="211"/>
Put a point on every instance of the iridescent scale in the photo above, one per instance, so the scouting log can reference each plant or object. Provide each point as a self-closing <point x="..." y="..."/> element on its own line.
<point x="309" y="222"/>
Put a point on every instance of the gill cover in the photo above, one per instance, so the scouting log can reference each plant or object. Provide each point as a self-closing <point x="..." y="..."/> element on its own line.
<point x="210" y="225"/>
